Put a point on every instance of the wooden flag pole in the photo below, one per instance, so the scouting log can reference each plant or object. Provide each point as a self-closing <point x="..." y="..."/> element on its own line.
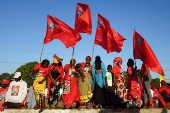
<point x="92" y="55"/>
<point x="41" y="54"/>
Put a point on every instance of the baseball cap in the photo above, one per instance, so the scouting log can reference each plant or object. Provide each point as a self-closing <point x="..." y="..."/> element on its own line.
<point x="5" y="81"/>
<point x="17" y="75"/>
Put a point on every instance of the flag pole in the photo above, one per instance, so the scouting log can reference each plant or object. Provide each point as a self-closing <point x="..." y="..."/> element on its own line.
<point x="41" y="54"/>
<point x="135" y="59"/>
<point x="92" y="55"/>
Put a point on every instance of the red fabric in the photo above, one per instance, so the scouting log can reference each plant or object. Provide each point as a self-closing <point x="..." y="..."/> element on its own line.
<point x="108" y="38"/>
<point x="5" y="81"/>
<point x="164" y="90"/>
<point x="134" y="85"/>
<point x="24" y="99"/>
<point x="60" y="70"/>
<point x="142" y="50"/>
<point x="61" y="31"/>
<point x="83" y="23"/>
<point x="44" y="71"/>
<point x="2" y="94"/>
<point x="70" y="99"/>
<point x="147" y="67"/>
<point x="116" y="69"/>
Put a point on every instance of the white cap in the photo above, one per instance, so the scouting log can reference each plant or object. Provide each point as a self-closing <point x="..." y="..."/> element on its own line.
<point x="17" y="75"/>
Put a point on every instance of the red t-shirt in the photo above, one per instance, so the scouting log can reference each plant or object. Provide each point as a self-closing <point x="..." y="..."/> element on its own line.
<point x="2" y="97"/>
<point x="147" y="67"/>
<point x="42" y="71"/>
<point x="132" y="80"/>
<point x="129" y="71"/>
<point x="69" y="72"/>
<point x="117" y="70"/>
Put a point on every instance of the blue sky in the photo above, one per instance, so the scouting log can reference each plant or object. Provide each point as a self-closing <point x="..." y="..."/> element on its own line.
<point x="23" y="26"/>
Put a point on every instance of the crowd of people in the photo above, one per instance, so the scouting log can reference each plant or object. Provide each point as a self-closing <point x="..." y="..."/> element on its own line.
<point x="85" y="83"/>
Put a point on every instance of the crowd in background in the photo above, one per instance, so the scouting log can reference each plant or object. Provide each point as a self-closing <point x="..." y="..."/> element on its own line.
<point x="85" y="83"/>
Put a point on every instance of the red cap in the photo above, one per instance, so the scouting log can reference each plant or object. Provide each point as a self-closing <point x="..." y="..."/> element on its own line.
<point x="5" y="81"/>
<point x="163" y="82"/>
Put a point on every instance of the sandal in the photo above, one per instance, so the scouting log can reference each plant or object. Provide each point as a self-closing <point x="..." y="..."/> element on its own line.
<point x="42" y="109"/>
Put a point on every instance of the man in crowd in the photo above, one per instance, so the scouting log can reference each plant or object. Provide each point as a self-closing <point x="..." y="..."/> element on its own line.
<point x="16" y="93"/>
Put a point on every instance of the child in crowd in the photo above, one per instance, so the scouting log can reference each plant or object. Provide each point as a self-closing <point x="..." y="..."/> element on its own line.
<point x="108" y="80"/>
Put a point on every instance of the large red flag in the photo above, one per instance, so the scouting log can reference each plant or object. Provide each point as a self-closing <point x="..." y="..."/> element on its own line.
<point x="83" y="23"/>
<point x="142" y="50"/>
<point x="108" y="38"/>
<point x="56" y="29"/>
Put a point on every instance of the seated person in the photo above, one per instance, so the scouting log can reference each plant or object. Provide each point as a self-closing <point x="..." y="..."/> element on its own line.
<point x="3" y="91"/>
<point x="164" y="91"/>
<point x="16" y="93"/>
<point x="30" y="101"/>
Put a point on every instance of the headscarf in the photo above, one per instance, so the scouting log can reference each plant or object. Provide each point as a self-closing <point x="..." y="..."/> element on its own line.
<point x="56" y="59"/>
<point x="116" y="60"/>
<point x="98" y="63"/>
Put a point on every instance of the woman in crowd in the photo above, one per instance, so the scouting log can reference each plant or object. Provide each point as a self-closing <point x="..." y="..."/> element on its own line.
<point x="98" y="73"/>
<point x="85" y="84"/>
<point x="134" y="84"/>
<point x="42" y="72"/>
<point x="70" y="93"/>
<point x="119" y="82"/>
<point x="146" y="79"/>
<point x="56" y="74"/>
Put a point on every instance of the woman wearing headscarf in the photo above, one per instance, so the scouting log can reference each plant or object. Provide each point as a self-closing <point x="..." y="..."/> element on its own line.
<point x="70" y="92"/>
<point x="119" y="80"/>
<point x="56" y="74"/>
<point x="134" y="84"/>
<point x="98" y="73"/>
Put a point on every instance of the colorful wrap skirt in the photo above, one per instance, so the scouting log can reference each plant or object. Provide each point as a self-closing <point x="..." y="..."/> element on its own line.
<point x="121" y="89"/>
<point x="39" y="89"/>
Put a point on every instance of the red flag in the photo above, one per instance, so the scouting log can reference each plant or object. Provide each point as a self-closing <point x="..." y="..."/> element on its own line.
<point x="142" y="50"/>
<point x="83" y="22"/>
<point x="56" y="29"/>
<point x="108" y="38"/>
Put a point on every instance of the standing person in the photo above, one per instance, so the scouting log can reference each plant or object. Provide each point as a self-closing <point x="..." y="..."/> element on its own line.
<point x="134" y="85"/>
<point x="119" y="81"/>
<point x="30" y="101"/>
<point x="85" y="84"/>
<point x="98" y="73"/>
<point x="56" y="74"/>
<point x="42" y="72"/>
<point x="16" y="93"/>
<point x="70" y="92"/>
<point x="3" y="91"/>
<point x="108" y="80"/>
<point x="146" y="79"/>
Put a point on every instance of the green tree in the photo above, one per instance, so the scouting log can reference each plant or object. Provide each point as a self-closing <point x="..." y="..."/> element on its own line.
<point x="156" y="81"/>
<point x="26" y="71"/>
<point x="4" y="76"/>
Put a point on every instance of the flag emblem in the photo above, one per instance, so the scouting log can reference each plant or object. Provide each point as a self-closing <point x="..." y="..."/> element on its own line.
<point x="99" y="23"/>
<point x="52" y="26"/>
<point x="139" y="39"/>
<point x="79" y="12"/>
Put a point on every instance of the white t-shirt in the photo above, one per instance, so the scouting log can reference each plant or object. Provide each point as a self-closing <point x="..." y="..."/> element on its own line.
<point x="17" y="91"/>
<point x="109" y="78"/>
